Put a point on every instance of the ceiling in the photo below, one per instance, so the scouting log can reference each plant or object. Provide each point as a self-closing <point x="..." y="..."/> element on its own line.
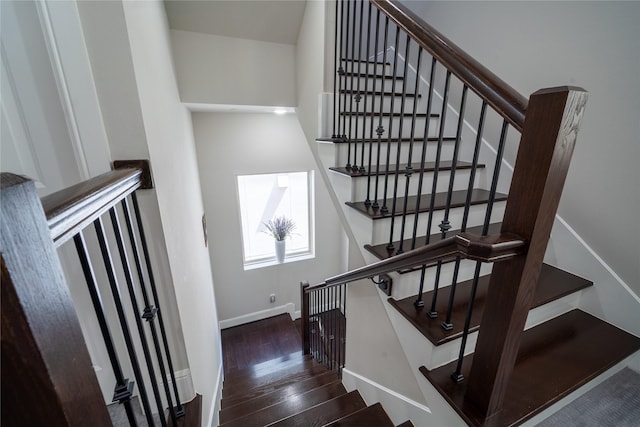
<point x="276" y="21"/>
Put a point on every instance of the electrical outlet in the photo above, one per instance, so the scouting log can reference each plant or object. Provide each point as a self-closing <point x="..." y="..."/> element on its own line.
<point x="272" y="298"/>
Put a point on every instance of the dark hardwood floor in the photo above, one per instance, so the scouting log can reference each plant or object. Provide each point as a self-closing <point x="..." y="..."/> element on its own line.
<point x="259" y="342"/>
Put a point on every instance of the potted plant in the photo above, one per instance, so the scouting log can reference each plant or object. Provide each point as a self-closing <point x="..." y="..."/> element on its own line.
<point x="280" y="228"/>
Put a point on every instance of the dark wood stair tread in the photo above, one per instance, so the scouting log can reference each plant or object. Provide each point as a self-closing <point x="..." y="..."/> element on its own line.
<point x="325" y="412"/>
<point x="388" y="114"/>
<point x="378" y="93"/>
<point x="269" y="384"/>
<point x="385" y="140"/>
<point x="264" y="368"/>
<point x="555" y="358"/>
<point x="407" y="423"/>
<point x="458" y="199"/>
<point x="230" y="412"/>
<point x="553" y="283"/>
<point x="416" y="168"/>
<point x="373" y="415"/>
<point x="382" y="252"/>
<point x="290" y="406"/>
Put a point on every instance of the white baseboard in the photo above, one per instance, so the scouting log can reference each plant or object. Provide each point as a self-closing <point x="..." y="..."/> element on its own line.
<point x="184" y="385"/>
<point x="217" y="398"/>
<point x="259" y="315"/>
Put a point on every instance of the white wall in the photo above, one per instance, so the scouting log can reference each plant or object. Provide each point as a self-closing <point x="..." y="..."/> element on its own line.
<point x="373" y="349"/>
<point x="232" y="144"/>
<point x="172" y="152"/>
<point x="594" y="45"/>
<point x="213" y="69"/>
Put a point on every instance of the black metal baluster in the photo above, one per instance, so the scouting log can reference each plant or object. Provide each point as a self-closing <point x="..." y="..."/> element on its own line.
<point x="124" y="387"/>
<point x="496" y="176"/>
<point x="334" y="325"/>
<point x="409" y="168"/>
<point x="419" y="303"/>
<point x="342" y="97"/>
<point x="179" y="409"/>
<point x="115" y="291"/>
<point x="380" y="128"/>
<point x="457" y="375"/>
<point x="373" y="98"/>
<point x="384" y="209"/>
<point x="115" y="223"/>
<point x="149" y="312"/>
<point x="336" y="66"/>
<point x="351" y="59"/>
<point x="436" y="169"/>
<point x="445" y="225"/>
<point x="467" y="205"/>
<point x="423" y="157"/>
<point x="358" y="96"/>
<point x="312" y="328"/>
<point x="366" y="88"/>
<point x="390" y="245"/>
<point x="343" y="341"/>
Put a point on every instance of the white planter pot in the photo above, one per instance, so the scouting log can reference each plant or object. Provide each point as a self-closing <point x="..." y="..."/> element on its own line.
<point x="281" y="246"/>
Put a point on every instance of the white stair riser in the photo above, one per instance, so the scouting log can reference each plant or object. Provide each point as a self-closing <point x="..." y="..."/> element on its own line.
<point x="406" y="285"/>
<point x="377" y="151"/>
<point x="386" y="84"/>
<point x="372" y="103"/>
<point x="381" y="227"/>
<point x="359" y="184"/>
<point x="359" y="127"/>
<point x="367" y="67"/>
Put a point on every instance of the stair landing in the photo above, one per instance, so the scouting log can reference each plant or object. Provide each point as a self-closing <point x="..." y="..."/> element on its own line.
<point x="555" y="358"/>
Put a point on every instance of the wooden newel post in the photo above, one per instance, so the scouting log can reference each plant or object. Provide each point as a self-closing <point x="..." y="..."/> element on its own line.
<point x="548" y="138"/>
<point x="47" y="377"/>
<point x="304" y="314"/>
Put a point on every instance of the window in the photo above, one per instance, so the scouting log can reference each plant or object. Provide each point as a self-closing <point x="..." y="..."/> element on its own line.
<point x="264" y="197"/>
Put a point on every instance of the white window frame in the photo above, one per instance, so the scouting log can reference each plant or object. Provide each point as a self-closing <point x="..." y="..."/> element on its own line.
<point x="252" y="262"/>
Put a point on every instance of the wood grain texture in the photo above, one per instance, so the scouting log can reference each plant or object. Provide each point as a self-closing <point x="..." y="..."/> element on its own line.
<point x="326" y="412"/>
<point x="70" y="210"/>
<point x="502" y="97"/>
<point x="444" y="165"/>
<point x="555" y="358"/>
<point x="547" y="143"/>
<point x="292" y="405"/>
<point x="373" y="415"/>
<point x="47" y="377"/>
<point x="230" y="412"/>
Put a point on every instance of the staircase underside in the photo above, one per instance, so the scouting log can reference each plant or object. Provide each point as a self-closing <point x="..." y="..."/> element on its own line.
<point x="555" y="358"/>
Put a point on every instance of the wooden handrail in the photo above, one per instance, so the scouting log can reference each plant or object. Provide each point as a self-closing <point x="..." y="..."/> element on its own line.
<point x="71" y="209"/>
<point x="503" y="98"/>
<point x="493" y="248"/>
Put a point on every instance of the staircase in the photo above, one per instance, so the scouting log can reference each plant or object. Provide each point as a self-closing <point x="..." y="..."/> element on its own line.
<point x="298" y="391"/>
<point x="392" y="178"/>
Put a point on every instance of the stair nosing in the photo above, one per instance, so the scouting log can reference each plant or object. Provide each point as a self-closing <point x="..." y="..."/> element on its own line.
<point x="415" y="168"/>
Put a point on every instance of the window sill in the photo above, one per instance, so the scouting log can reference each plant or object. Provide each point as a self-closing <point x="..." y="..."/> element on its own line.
<point x="272" y="261"/>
